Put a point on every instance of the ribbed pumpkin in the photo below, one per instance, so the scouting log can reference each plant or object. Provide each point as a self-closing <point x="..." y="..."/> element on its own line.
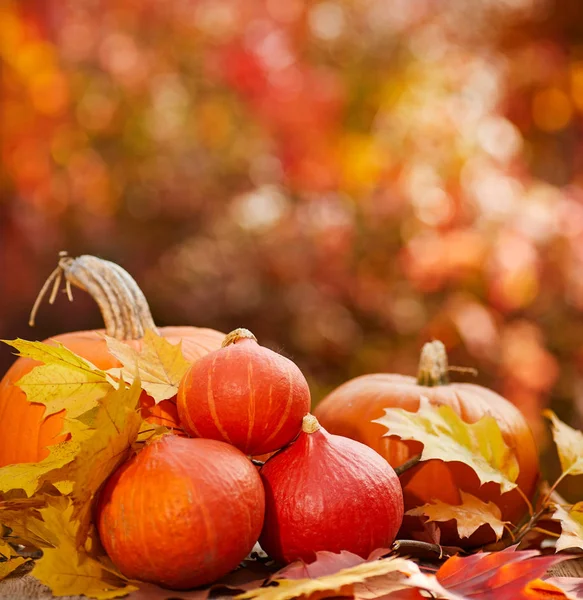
<point x="244" y="394"/>
<point x="328" y="492"/>
<point x="182" y="512"/>
<point x="25" y="433"/>
<point x="351" y="409"/>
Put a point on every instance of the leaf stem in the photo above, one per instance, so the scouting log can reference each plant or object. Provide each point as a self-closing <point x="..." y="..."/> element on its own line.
<point x="546" y="532"/>
<point x="526" y="501"/>
<point x="554" y="486"/>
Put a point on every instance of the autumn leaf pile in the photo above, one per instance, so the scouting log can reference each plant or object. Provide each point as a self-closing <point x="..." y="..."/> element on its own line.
<point x="46" y="507"/>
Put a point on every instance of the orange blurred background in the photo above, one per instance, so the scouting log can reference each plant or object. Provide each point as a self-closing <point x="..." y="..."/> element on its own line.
<point x="347" y="179"/>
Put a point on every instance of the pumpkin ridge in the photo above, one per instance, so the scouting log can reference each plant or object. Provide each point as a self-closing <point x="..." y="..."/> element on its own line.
<point x="212" y="405"/>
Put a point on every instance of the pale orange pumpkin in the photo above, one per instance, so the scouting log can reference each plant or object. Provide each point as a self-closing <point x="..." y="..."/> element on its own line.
<point x="351" y="409"/>
<point x="25" y="432"/>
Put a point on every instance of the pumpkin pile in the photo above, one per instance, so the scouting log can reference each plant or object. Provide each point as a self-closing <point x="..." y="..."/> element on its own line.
<point x="148" y="441"/>
<point x="187" y="504"/>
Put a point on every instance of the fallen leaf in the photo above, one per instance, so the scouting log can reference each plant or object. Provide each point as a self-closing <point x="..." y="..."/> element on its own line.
<point x="572" y="586"/>
<point x="495" y="575"/>
<point x="405" y="594"/>
<point x="64" y="381"/>
<point x="6" y="550"/>
<point x="30" y="476"/>
<point x="326" y="563"/>
<point x="445" y="436"/>
<point x="571" y="527"/>
<point x="569" y="444"/>
<point x="539" y="589"/>
<point x="69" y="570"/>
<point x="11" y="565"/>
<point x="27" y="525"/>
<point x="117" y="423"/>
<point x="340" y="583"/>
<point x="160" y="364"/>
<point x="471" y="514"/>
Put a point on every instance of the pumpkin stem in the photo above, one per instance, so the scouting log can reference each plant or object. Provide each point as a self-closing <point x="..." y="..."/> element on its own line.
<point x="433" y="366"/>
<point x="310" y="424"/>
<point x="236" y="336"/>
<point x="123" y="306"/>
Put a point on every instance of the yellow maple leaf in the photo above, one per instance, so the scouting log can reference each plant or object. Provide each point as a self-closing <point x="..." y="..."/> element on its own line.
<point x="340" y="583"/>
<point x="69" y="570"/>
<point x="6" y="550"/>
<point x="29" y="477"/>
<point x="160" y="364"/>
<point x="571" y="526"/>
<point x="64" y="381"/>
<point x="9" y="566"/>
<point x="116" y="426"/>
<point x="445" y="436"/>
<point x="27" y="525"/>
<point x="469" y="515"/>
<point x="569" y="444"/>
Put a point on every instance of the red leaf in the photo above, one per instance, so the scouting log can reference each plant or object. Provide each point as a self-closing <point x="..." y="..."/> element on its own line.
<point x="326" y="563"/>
<point x="494" y="575"/>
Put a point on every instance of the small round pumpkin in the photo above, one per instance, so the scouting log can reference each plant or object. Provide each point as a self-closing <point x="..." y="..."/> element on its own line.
<point x="25" y="432"/>
<point x="351" y="409"/>
<point x="328" y="492"/>
<point x="181" y="513"/>
<point x="244" y="394"/>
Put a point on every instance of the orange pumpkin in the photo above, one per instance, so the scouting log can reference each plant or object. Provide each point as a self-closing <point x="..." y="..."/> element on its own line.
<point x="25" y="432"/>
<point x="351" y="409"/>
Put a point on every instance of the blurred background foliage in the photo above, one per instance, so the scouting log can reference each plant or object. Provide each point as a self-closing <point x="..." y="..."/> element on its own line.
<point x="348" y="179"/>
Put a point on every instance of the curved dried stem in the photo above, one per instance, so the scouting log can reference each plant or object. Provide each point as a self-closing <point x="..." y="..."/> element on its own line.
<point x="123" y="306"/>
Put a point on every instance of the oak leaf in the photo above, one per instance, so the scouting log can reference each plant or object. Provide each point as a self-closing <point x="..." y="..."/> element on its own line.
<point x="569" y="444"/>
<point x="571" y="526"/>
<point x="159" y="364"/>
<point x="445" y="436"/>
<point x="69" y="570"/>
<point x="471" y="514"/>
<point x="64" y="381"/>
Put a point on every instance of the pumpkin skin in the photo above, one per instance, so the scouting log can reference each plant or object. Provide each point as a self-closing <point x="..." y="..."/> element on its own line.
<point x="328" y="492"/>
<point x="181" y="513"/>
<point x="244" y="394"/>
<point x="350" y="409"/>
<point x="26" y="433"/>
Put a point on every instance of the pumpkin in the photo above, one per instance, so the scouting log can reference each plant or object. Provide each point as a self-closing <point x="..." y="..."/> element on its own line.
<point x="182" y="512"/>
<point x="24" y="430"/>
<point x="328" y="492"/>
<point x="351" y="409"/>
<point x="244" y="394"/>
